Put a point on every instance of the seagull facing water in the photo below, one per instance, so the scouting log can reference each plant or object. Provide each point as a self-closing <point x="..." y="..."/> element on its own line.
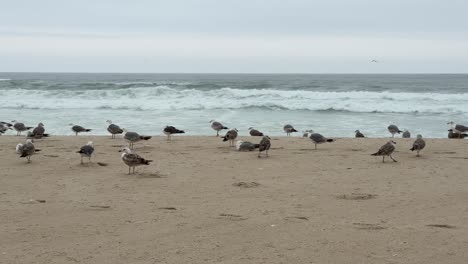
<point x="132" y="137"/>
<point x="26" y="150"/>
<point x="133" y="160"/>
<point x="170" y="130"/>
<point x="79" y="129"/>
<point x="418" y="145"/>
<point x="217" y="126"/>
<point x="319" y="139"/>
<point x="289" y="129"/>
<point x="114" y="129"/>
<point x="86" y="151"/>
<point x="386" y="150"/>
<point x="19" y="127"/>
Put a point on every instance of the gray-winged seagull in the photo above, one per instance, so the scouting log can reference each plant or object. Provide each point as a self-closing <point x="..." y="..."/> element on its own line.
<point x="289" y="129"/>
<point x="418" y="145"/>
<point x="133" y="160"/>
<point x="86" y="151"/>
<point x="132" y="137"/>
<point x="246" y="146"/>
<point x="26" y="150"/>
<point x="217" y="126"/>
<point x="406" y="134"/>
<point x="170" y="130"/>
<point x="393" y="130"/>
<point x="359" y="134"/>
<point x="79" y="129"/>
<point x="114" y="129"/>
<point x="319" y="139"/>
<point x="254" y="132"/>
<point x="231" y="135"/>
<point x="19" y="127"/>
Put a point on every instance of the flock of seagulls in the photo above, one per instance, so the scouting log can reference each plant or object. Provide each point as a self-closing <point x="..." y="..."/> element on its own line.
<point x="132" y="160"/>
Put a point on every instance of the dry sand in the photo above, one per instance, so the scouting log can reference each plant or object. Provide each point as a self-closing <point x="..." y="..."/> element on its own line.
<point x="203" y="202"/>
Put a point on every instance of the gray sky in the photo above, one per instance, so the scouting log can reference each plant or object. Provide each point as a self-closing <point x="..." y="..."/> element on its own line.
<point x="261" y="36"/>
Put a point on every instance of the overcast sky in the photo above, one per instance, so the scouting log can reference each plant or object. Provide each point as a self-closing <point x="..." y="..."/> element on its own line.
<point x="251" y="36"/>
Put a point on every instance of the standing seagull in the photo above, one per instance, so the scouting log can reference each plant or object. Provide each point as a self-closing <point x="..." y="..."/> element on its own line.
<point x="459" y="129"/>
<point x="418" y="145"/>
<point x="38" y="132"/>
<point x="255" y="133"/>
<point x="386" y="150"/>
<point x="359" y="134"/>
<point x="406" y="134"/>
<point x="114" y="129"/>
<point x="19" y="127"/>
<point x="393" y="130"/>
<point x="289" y="129"/>
<point x="246" y="146"/>
<point x="231" y="135"/>
<point x="86" y="151"/>
<point x="78" y="129"/>
<point x="169" y="130"/>
<point x="217" y="126"/>
<point x="264" y="145"/>
<point x="4" y="127"/>
<point x="132" y="159"/>
<point x="319" y="139"/>
<point x="26" y="150"/>
<point x="132" y="137"/>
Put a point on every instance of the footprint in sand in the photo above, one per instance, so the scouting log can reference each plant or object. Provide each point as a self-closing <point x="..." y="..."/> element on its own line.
<point x="246" y="184"/>
<point x="297" y="217"/>
<point x="232" y="217"/>
<point x="357" y="196"/>
<point x="364" y="226"/>
<point x="441" y="226"/>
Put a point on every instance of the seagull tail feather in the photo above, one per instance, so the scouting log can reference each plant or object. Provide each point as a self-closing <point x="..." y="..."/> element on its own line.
<point x="225" y="127"/>
<point x="145" y="137"/>
<point x="330" y="140"/>
<point x="87" y="130"/>
<point x="147" y="162"/>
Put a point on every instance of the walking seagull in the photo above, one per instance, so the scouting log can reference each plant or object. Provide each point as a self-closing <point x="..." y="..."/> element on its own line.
<point x="246" y="146"/>
<point x="38" y="132"/>
<point x="79" y="129"/>
<point x="289" y="129"/>
<point x="359" y="134"/>
<point x="86" y="151"/>
<point x="458" y="129"/>
<point x="406" y="134"/>
<point x="264" y="145"/>
<point x="231" y="135"/>
<point x="114" y="129"/>
<point x="418" y="145"/>
<point x="393" y="130"/>
<point x="132" y="137"/>
<point x="132" y="159"/>
<point x="26" y="150"/>
<point x="169" y="130"/>
<point x="19" y="127"/>
<point x="217" y="126"/>
<point x="319" y="139"/>
<point x="255" y="133"/>
<point x="386" y="150"/>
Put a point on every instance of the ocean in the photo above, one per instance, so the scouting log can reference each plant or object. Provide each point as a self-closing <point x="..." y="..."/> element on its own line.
<point x="334" y="105"/>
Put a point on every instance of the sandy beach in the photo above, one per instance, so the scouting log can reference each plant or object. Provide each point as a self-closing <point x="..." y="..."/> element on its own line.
<point x="203" y="202"/>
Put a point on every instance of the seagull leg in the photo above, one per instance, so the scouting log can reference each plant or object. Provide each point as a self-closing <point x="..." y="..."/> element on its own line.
<point x="394" y="160"/>
<point x="133" y="169"/>
<point x="129" y="170"/>
<point x="383" y="159"/>
<point x="315" y="146"/>
<point x="81" y="159"/>
<point x="417" y="154"/>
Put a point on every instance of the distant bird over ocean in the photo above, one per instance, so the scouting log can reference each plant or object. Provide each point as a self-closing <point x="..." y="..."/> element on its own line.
<point x="386" y="150"/>
<point x="217" y="126"/>
<point x="406" y="134"/>
<point x="20" y="127"/>
<point x="114" y="129"/>
<point x="133" y="160"/>
<point x="452" y="135"/>
<point x="319" y="139"/>
<point x="133" y="137"/>
<point x="289" y="129"/>
<point x="79" y="129"/>
<point x="86" y="151"/>
<point x="255" y="133"/>
<point x="418" y="145"/>
<point x="246" y="146"/>
<point x="458" y="129"/>
<point x="230" y="136"/>
<point x="38" y="132"/>
<point x="359" y="134"/>
<point x="393" y="130"/>
<point x="264" y="145"/>
<point x="170" y="130"/>
<point x="26" y="150"/>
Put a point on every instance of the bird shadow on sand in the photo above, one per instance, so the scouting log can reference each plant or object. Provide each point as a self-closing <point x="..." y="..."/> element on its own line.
<point x="246" y="184"/>
<point x="442" y="226"/>
<point x="150" y="175"/>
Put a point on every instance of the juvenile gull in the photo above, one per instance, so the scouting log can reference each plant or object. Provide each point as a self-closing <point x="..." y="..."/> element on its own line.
<point x="38" y="132"/>
<point x="86" y="151"/>
<point x="132" y="137"/>
<point x="19" y="127"/>
<point x="170" y="130"/>
<point x="26" y="150"/>
<point x="406" y="134"/>
<point x="386" y="150"/>
<point x="319" y="139"/>
<point x="418" y="145"/>
<point x="217" y="126"/>
<point x="132" y="159"/>
<point x="359" y="134"/>
<point x="264" y="145"/>
<point x="231" y="135"/>
<point x="451" y="134"/>
<point x="246" y="146"/>
<point x="255" y="133"/>
<point x="458" y="129"/>
<point x="393" y="130"/>
<point x="289" y="129"/>
<point x="79" y="129"/>
<point x="114" y="129"/>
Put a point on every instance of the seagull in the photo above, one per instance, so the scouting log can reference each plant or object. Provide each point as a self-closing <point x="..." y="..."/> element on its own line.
<point x="289" y="129"/>
<point x="26" y="150"/>
<point x="319" y="139"/>
<point x="406" y="134"/>
<point x="86" y="151"/>
<point x="393" y="130"/>
<point x="78" y="129"/>
<point x="217" y="126"/>
<point x="114" y="129"/>
<point x="305" y="133"/>
<point x="132" y="159"/>
<point x="386" y="150"/>
<point x="456" y="135"/>
<point x="255" y="133"/>
<point x="4" y="127"/>
<point x="231" y="135"/>
<point x="246" y="146"/>
<point x="264" y="145"/>
<point x="132" y="137"/>
<point x="459" y="129"/>
<point x="359" y="134"/>
<point x="38" y="132"/>
<point x="169" y="130"/>
<point x="19" y="127"/>
<point x="418" y="145"/>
